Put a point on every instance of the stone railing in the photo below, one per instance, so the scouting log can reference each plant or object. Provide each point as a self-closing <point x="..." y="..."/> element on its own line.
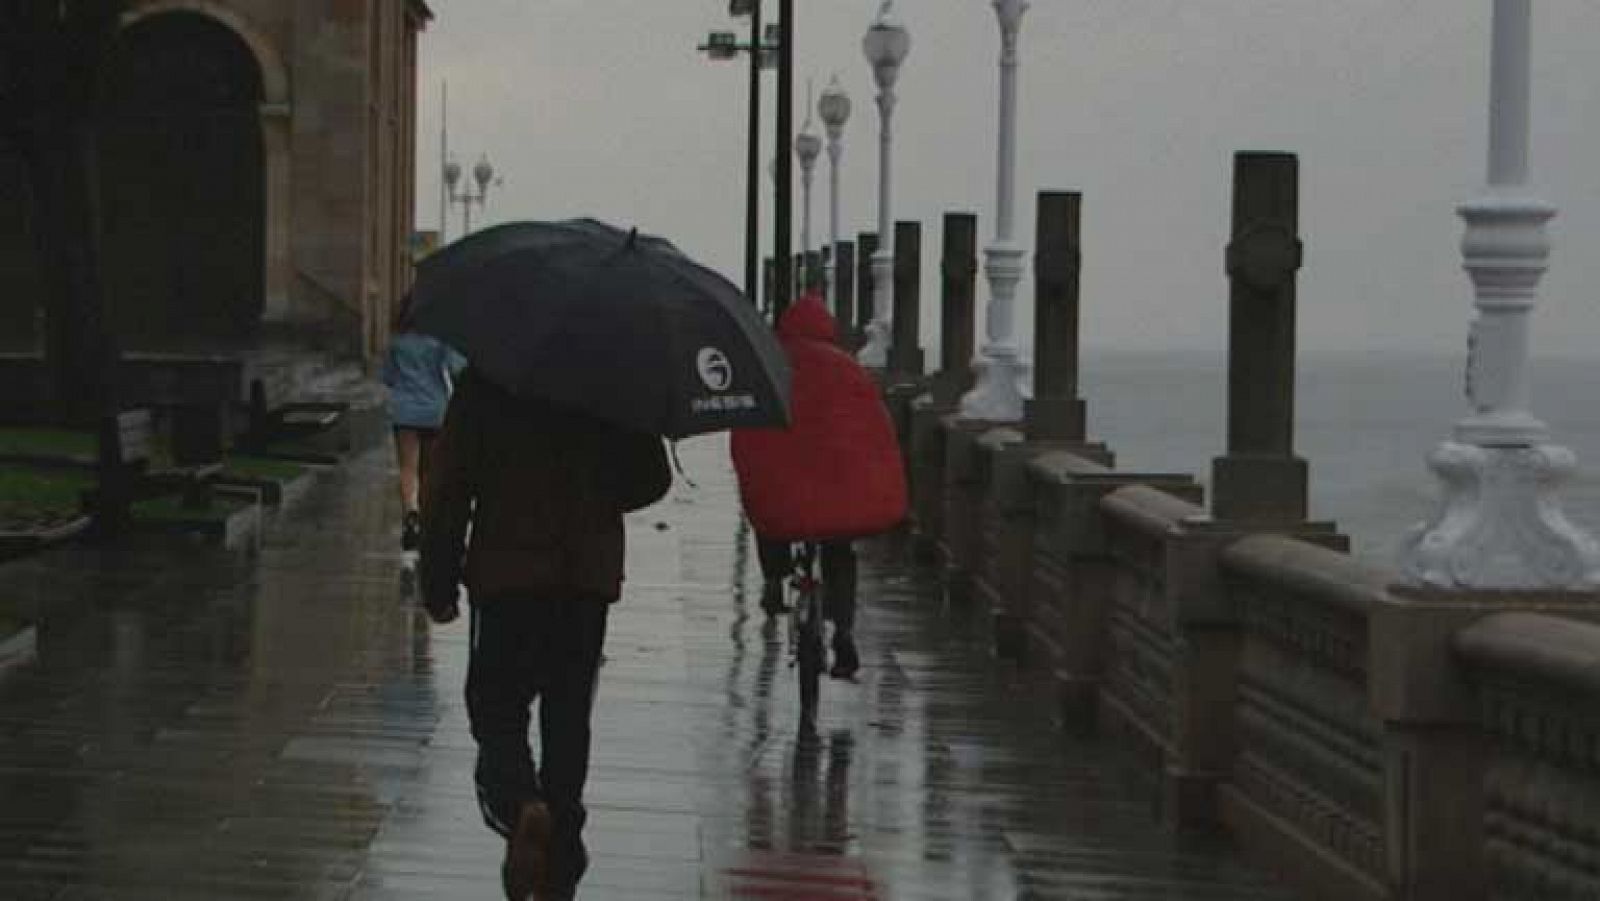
<point x="1138" y="696"/>
<point x="1307" y="777"/>
<point x="1368" y="740"/>
<point x="1071" y="577"/>
<point x="1538" y="690"/>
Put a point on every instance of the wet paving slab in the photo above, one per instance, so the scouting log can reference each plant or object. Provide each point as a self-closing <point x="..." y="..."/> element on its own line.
<point x="282" y="723"/>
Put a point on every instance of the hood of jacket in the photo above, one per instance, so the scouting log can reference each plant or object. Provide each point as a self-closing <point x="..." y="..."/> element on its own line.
<point x="807" y="318"/>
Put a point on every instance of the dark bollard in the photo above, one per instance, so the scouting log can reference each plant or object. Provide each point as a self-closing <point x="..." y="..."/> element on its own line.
<point x="905" y="354"/>
<point x="866" y="246"/>
<point x="958" y="270"/>
<point x="1056" y="412"/>
<point x="1260" y="479"/>
<point x="844" y="292"/>
<point x="1054" y="422"/>
<point x="1259" y="486"/>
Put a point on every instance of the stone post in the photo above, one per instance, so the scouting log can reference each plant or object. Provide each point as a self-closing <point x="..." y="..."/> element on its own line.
<point x="1054" y="421"/>
<point x="958" y="276"/>
<point x="958" y="272"/>
<point x="1056" y="412"/>
<point x="1260" y="478"/>
<point x="1258" y="486"/>
<point x="905" y="355"/>
<point x="844" y="290"/>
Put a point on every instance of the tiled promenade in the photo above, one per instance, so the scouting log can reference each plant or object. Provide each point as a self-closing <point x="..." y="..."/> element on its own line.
<point x="210" y="725"/>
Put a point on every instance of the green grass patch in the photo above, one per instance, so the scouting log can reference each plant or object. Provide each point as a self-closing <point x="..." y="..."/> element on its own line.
<point x="34" y="495"/>
<point x="263" y="469"/>
<point x="45" y="442"/>
<point x="171" y="509"/>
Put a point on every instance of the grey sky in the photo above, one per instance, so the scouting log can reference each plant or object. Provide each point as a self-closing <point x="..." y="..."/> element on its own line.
<point x="603" y="107"/>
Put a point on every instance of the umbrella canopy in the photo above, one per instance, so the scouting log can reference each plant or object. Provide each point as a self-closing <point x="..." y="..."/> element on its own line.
<point x="615" y="323"/>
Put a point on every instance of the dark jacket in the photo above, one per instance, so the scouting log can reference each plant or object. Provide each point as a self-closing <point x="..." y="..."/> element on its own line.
<point x="543" y="489"/>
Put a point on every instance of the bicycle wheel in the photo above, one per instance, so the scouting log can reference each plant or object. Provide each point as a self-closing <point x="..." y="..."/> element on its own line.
<point x="811" y="659"/>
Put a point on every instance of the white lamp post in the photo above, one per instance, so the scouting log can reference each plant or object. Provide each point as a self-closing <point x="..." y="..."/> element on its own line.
<point x="885" y="45"/>
<point x="997" y="393"/>
<point x="834" y="107"/>
<point x="483" y="174"/>
<point x="806" y="148"/>
<point x="1500" y="526"/>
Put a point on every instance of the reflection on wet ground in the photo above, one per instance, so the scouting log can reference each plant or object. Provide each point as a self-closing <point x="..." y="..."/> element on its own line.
<point x="203" y="725"/>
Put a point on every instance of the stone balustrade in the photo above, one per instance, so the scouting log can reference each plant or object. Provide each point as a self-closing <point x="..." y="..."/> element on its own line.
<point x="1537" y="681"/>
<point x="1366" y="738"/>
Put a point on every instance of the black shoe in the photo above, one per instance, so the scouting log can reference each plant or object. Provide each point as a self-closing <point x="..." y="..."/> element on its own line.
<point x="411" y="531"/>
<point x="772" y="597"/>
<point x="846" y="661"/>
<point x="527" y="865"/>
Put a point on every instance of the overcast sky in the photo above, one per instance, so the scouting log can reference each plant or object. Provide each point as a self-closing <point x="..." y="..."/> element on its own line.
<point x="604" y="108"/>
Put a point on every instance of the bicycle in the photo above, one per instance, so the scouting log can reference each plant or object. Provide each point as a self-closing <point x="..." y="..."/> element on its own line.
<point x="806" y="619"/>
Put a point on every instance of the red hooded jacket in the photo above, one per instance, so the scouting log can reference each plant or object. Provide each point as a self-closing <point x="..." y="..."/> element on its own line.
<point x="836" y="472"/>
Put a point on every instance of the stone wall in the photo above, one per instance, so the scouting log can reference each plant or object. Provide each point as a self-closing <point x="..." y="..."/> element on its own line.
<point x="337" y="116"/>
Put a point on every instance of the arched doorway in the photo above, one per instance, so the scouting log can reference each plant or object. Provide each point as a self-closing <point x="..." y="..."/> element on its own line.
<point x="183" y="184"/>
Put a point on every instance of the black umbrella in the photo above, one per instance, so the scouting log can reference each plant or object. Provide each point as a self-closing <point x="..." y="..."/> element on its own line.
<point x="615" y="323"/>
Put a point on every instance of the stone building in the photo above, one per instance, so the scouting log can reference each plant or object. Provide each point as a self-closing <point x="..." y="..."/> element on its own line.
<point x="256" y="171"/>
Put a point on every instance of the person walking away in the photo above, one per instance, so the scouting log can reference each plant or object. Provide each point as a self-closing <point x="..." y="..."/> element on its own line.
<point x="418" y="372"/>
<point x="543" y="490"/>
<point x="833" y="475"/>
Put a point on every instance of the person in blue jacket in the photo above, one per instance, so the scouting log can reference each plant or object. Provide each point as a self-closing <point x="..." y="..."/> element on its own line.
<point x="419" y="371"/>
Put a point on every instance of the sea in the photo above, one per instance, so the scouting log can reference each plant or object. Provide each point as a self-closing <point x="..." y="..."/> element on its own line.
<point x="1366" y="423"/>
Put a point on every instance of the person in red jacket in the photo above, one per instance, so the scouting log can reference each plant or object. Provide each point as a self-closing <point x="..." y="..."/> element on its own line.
<point x="833" y="475"/>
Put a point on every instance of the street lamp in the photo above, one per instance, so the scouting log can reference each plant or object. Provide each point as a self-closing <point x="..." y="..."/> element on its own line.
<point x="1500" y="525"/>
<point x="483" y="174"/>
<point x="724" y="46"/>
<point x="885" y="45"/>
<point x="806" y="148"/>
<point x="997" y="394"/>
<point x="834" y="107"/>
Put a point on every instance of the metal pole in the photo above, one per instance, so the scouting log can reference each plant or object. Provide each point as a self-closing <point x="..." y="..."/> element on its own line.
<point x="782" y="251"/>
<point x="752" y="213"/>
<point x="444" y="156"/>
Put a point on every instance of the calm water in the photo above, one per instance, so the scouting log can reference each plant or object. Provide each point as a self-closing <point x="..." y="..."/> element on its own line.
<point x="1365" y="422"/>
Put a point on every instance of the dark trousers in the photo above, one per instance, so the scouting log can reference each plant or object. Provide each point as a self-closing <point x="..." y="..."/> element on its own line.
<point x="545" y="649"/>
<point x="838" y="576"/>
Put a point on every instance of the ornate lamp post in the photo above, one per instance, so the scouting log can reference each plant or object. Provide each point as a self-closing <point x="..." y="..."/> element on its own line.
<point x="483" y="174"/>
<point x="886" y="44"/>
<point x="806" y="148"/>
<point x="997" y="395"/>
<point x="1500" y="526"/>
<point x="834" y="107"/>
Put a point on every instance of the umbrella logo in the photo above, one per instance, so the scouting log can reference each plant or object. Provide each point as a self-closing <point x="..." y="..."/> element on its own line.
<point x="715" y="370"/>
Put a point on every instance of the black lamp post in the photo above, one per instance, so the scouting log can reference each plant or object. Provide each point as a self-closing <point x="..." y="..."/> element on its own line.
<point x="725" y="46"/>
<point x="782" y="241"/>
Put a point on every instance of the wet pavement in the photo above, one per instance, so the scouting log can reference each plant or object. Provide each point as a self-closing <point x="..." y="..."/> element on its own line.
<point x="282" y="724"/>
